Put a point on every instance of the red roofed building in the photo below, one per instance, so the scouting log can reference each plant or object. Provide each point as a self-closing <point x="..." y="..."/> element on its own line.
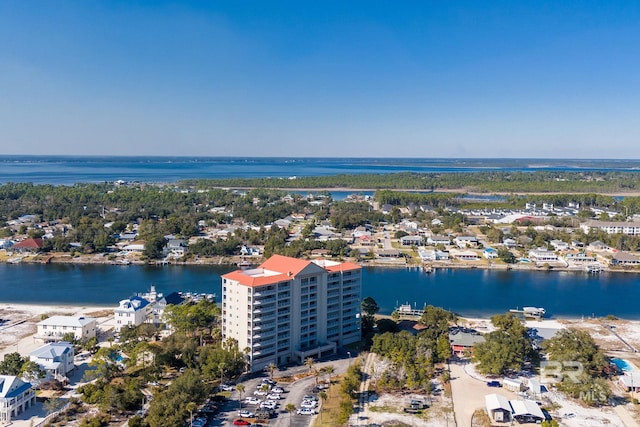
<point x="28" y="245"/>
<point x="289" y="309"/>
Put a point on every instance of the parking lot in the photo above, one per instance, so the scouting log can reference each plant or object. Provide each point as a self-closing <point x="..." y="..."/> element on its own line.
<point x="293" y="392"/>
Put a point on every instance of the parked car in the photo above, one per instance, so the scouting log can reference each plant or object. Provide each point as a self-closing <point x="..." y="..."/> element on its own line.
<point x="260" y="392"/>
<point x="277" y="389"/>
<point x="226" y="387"/>
<point x="306" y="411"/>
<point x="241" y="422"/>
<point x="246" y="414"/>
<point x="274" y="396"/>
<point x="308" y="404"/>
<point x="494" y="384"/>
<point x="252" y="400"/>
<point x="269" y="404"/>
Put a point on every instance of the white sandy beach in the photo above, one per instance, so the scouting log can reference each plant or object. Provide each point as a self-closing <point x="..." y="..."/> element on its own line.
<point x="20" y="320"/>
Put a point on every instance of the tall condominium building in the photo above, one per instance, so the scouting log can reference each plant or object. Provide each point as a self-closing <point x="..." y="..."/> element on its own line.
<point x="289" y="309"/>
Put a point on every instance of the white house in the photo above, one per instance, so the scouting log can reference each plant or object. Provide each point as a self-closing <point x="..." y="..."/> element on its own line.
<point x="136" y="246"/>
<point x="465" y="255"/>
<point x="438" y="240"/>
<point x="466" y="241"/>
<point x="559" y="245"/>
<point x="490" y="253"/>
<point x="55" y="358"/>
<point x="132" y="311"/>
<point x="53" y="328"/>
<point x="16" y="396"/>
<point x="411" y="240"/>
<point x="542" y="255"/>
<point x="176" y="248"/>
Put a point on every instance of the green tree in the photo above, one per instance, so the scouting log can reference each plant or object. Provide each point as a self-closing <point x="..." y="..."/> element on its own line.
<point x="240" y="388"/>
<point x="153" y="247"/>
<point x="505" y="349"/>
<point x="323" y="397"/>
<point x="12" y="364"/>
<point x="290" y="408"/>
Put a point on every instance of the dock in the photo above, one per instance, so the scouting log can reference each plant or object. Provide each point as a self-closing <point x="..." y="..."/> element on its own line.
<point x="405" y="311"/>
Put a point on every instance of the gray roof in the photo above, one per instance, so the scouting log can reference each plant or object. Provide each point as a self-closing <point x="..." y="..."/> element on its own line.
<point x="465" y="339"/>
<point x="52" y="350"/>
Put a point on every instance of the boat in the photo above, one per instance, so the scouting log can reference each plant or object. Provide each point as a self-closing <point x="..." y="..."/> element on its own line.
<point x="244" y="265"/>
<point x="530" y="312"/>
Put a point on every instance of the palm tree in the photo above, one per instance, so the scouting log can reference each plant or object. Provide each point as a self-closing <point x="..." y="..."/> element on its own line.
<point x="329" y="370"/>
<point x="290" y="408"/>
<point x="191" y="406"/>
<point x="240" y="389"/>
<point x="309" y="363"/>
<point x="323" y="397"/>
<point x="272" y="368"/>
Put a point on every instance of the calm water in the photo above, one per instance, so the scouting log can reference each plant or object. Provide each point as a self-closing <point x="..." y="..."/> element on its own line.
<point x="67" y="170"/>
<point x="473" y="292"/>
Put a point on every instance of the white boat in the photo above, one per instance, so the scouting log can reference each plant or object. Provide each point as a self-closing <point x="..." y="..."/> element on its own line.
<point x="530" y="312"/>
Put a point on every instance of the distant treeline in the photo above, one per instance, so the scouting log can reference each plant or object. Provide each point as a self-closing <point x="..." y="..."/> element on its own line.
<point x="481" y="182"/>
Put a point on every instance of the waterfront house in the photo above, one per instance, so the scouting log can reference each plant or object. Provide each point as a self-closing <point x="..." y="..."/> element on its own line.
<point x="388" y="253"/>
<point x="624" y="258"/>
<point x="490" y="253"/>
<point x="249" y="251"/>
<point x="436" y="240"/>
<point x="176" y="248"/>
<point x="32" y="244"/>
<point x="498" y="408"/>
<point x="463" y="342"/>
<point x="579" y="258"/>
<point x="465" y="255"/>
<point x="132" y="312"/>
<point x="134" y="247"/>
<point x="55" y="358"/>
<point x="55" y="327"/>
<point x="542" y="255"/>
<point x="411" y="240"/>
<point x="433" y="255"/>
<point x="16" y="396"/>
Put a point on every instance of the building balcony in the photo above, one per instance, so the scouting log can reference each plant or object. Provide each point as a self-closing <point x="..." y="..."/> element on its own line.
<point x="264" y="293"/>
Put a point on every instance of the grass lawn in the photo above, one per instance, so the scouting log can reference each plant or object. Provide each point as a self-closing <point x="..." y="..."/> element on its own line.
<point x="330" y="407"/>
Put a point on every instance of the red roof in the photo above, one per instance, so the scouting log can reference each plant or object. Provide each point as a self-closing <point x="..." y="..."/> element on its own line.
<point x="286" y="267"/>
<point x="30" y="243"/>
<point x="285" y="264"/>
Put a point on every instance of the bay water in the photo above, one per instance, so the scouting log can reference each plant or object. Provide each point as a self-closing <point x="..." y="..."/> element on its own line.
<point x="472" y="292"/>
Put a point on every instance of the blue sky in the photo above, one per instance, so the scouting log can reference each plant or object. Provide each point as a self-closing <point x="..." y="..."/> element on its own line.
<point x="549" y="79"/>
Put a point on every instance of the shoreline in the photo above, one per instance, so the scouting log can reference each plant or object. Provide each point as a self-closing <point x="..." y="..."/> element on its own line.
<point x="98" y="259"/>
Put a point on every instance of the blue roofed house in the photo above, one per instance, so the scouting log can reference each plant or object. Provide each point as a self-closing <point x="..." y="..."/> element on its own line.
<point x="490" y="253"/>
<point x="55" y="358"/>
<point x="16" y="396"/>
<point x="132" y="312"/>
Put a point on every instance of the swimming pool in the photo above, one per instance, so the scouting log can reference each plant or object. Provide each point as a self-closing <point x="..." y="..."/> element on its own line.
<point x="622" y="364"/>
